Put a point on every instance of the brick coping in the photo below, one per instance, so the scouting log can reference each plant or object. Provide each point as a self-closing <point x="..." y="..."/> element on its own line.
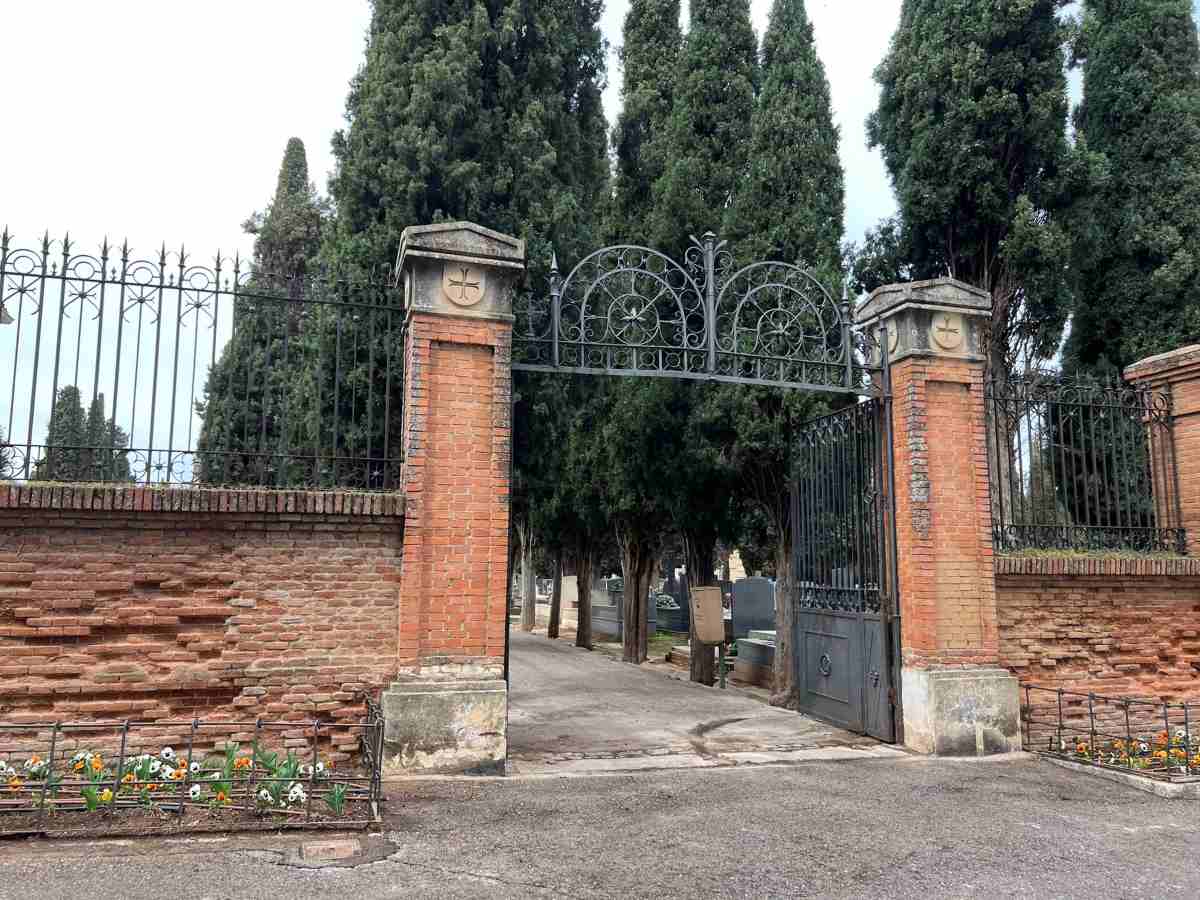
<point x="1083" y="566"/>
<point x="133" y="498"/>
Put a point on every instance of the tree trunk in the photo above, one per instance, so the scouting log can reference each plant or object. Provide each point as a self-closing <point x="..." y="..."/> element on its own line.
<point x="528" y="583"/>
<point x="555" y="599"/>
<point x="702" y="665"/>
<point x="786" y="689"/>
<point x="637" y="565"/>
<point x="583" y="629"/>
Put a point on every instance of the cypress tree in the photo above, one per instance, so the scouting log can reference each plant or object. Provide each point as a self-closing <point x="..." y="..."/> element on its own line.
<point x="971" y="123"/>
<point x="791" y="203"/>
<point x="81" y="446"/>
<point x="254" y="417"/>
<point x="649" y="55"/>
<point x="706" y="141"/>
<point x="1139" y="236"/>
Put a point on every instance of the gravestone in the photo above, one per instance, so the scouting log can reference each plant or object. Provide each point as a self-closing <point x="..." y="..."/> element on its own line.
<point x="753" y="605"/>
<point x="608" y="599"/>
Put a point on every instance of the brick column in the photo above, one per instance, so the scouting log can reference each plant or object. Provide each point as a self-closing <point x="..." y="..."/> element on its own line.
<point x="1175" y="452"/>
<point x="447" y="710"/>
<point x="955" y="698"/>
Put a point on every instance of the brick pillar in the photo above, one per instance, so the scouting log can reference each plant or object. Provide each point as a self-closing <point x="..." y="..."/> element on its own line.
<point x="447" y="710"/>
<point x="955" y="698"/>
<point x="1175" y="451"/>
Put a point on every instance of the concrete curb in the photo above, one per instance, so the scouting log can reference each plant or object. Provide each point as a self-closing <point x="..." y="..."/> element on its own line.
<point x="1165" y="789"/>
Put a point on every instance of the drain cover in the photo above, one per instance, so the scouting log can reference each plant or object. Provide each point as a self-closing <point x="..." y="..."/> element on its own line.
<point x="321" y="851"/>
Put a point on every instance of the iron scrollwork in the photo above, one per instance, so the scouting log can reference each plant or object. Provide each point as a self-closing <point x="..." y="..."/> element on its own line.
<point x="631" y="310"/>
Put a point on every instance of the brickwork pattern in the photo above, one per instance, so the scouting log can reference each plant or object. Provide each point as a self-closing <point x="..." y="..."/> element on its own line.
<point x="458" y="411"/>
<point x="120" y="613"/>
<point x="1130" y="634"/>
<point x="943" y="525"/>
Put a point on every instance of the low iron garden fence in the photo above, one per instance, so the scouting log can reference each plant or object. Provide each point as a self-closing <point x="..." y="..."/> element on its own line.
<point x="1146" y="737"/>
<point x="1079" y="464"/>
<point x="200" y="775"/>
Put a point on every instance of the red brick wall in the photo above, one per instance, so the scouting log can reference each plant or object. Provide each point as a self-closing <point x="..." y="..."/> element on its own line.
<point x="114" y="606"/>
<point x="458" y="411"/>
<point x="947" y="598"/>
<point x="1128" y="628"/>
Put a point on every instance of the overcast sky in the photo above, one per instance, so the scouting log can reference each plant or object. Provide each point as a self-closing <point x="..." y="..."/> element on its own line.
<point x="163" y="119"/>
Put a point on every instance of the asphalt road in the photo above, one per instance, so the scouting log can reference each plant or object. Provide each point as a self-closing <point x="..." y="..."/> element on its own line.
<point x="870" y="829"/>
<point x="724" y="822"/>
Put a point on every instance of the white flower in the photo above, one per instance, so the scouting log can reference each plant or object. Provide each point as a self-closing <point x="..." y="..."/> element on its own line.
<point x="194" y="768"/>
<point x="167" y="753"/>
<point x="155" y="765"/>
<point x="320" y="768"/>
<point x="194" y="793"/>
<point x="1143" y="747"/>
<point x="306" y="770"/>
<point x="264" y="795"/>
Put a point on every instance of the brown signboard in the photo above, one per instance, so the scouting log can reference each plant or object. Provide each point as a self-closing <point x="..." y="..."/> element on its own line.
<point x="707" y="615"/>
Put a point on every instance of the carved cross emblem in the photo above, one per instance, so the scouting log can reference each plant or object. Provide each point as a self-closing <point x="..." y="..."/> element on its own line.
<point x="947" y="331"/>
<point x="463" y="285"/>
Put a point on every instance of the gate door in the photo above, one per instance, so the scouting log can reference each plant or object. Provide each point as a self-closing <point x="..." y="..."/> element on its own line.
<point x="844" y="602"/>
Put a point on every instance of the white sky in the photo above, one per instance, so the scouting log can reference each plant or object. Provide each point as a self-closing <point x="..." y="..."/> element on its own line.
<point x="166" y="120"/>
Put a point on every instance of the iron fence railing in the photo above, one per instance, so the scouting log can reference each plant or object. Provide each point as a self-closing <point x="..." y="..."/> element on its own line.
<point x="1147" y="737"/>
<point x="1082" y="465"/>
<point x="148" y="776"/>
<point x="161" y="371"/>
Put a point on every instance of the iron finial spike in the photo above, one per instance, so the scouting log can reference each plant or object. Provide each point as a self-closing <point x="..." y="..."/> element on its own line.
<point x="553" y="262"/>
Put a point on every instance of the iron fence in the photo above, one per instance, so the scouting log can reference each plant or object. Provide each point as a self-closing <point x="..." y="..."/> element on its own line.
<point x="162" y="371"/>
<point x="1145" y="737"/>
<point x="151" y="776"/>
<point x="1082" y="465"/>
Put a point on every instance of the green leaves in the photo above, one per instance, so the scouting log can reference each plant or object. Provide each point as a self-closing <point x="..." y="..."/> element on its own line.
<point x="1137" y="238"/>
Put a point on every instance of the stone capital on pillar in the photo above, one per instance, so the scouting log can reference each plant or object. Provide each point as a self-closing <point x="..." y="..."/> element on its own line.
<point x="955" y="698"/>
<point x="459" y="269"/>
<point x="447" y="710"/>
<point x="942" y="318"/>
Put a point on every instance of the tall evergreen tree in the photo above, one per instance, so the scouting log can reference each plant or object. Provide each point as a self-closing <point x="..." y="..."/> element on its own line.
<point x="971" y="122"/>
<point x="791" y="203"/>
<point x="1138" y="237"/>
<point x="256" y="423"/>
<point x="649" y="55"/>
<point x="82" y="446"/>
<point x="706" y="140"/>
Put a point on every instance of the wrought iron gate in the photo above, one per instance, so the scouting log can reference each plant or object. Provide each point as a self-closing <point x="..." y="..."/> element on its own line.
<point x="844" y="575"/>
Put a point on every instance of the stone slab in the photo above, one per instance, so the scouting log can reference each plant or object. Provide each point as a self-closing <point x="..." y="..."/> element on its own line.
<point x="329" y="850"/>
<point x="1189" y="790"/>
<point x="961" y="712"/>
<point x="753" y="606"/>
<point x="445" y="726"/>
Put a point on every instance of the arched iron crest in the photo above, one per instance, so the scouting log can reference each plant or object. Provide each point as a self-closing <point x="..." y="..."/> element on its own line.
<point x="631" y="310"/>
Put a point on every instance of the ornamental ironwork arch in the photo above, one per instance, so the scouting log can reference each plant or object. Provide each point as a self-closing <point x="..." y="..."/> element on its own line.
<point x="631" y="310"/>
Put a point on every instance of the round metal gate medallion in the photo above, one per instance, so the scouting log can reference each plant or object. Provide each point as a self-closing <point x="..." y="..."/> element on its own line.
<point x="825" y="665"/>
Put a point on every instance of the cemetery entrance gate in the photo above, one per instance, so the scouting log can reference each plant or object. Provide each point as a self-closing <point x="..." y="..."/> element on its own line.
<point x="629" y="310"/>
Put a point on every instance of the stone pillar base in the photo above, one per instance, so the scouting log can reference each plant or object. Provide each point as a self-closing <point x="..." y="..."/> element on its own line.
<point x="449" y="727"/>
<point x="961" y="712"/>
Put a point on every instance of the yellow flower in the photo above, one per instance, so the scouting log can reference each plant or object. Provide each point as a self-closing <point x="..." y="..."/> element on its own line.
<point x="14" y="783"/>
<point x="106" y="796"/>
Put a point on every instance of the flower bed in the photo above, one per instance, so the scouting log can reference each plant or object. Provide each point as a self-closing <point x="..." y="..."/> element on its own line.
<point x="1142" y="737"/>
<point x="117" y="777"/>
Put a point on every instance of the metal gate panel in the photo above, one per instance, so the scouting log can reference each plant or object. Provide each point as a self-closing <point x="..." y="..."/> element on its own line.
<point x="831" y="667"/>
<point x="843" y="572"/>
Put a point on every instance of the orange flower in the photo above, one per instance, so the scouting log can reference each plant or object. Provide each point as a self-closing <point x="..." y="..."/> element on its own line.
<point x="177" y="774"/>
<point x="242" y="762"/>
<point x="79" y="766"/>
<point x="35" y="760"/>
<point x="152" y="787"/>
<point x="129" y="778"/>
<point x="221" y="798"/>
<point x="1160" y="754"/>
<point x="97" y="764"/>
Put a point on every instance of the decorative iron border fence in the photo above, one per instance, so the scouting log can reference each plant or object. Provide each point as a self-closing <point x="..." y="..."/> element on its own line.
<point x="224" y="775"/>
<point x="1145" y="737"/>
<point x="161" y="371"/>
<point x="1082" y="465"/>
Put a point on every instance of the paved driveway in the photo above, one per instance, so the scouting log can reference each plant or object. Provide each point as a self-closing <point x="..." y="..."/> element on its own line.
<point x="571" y="710"/>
